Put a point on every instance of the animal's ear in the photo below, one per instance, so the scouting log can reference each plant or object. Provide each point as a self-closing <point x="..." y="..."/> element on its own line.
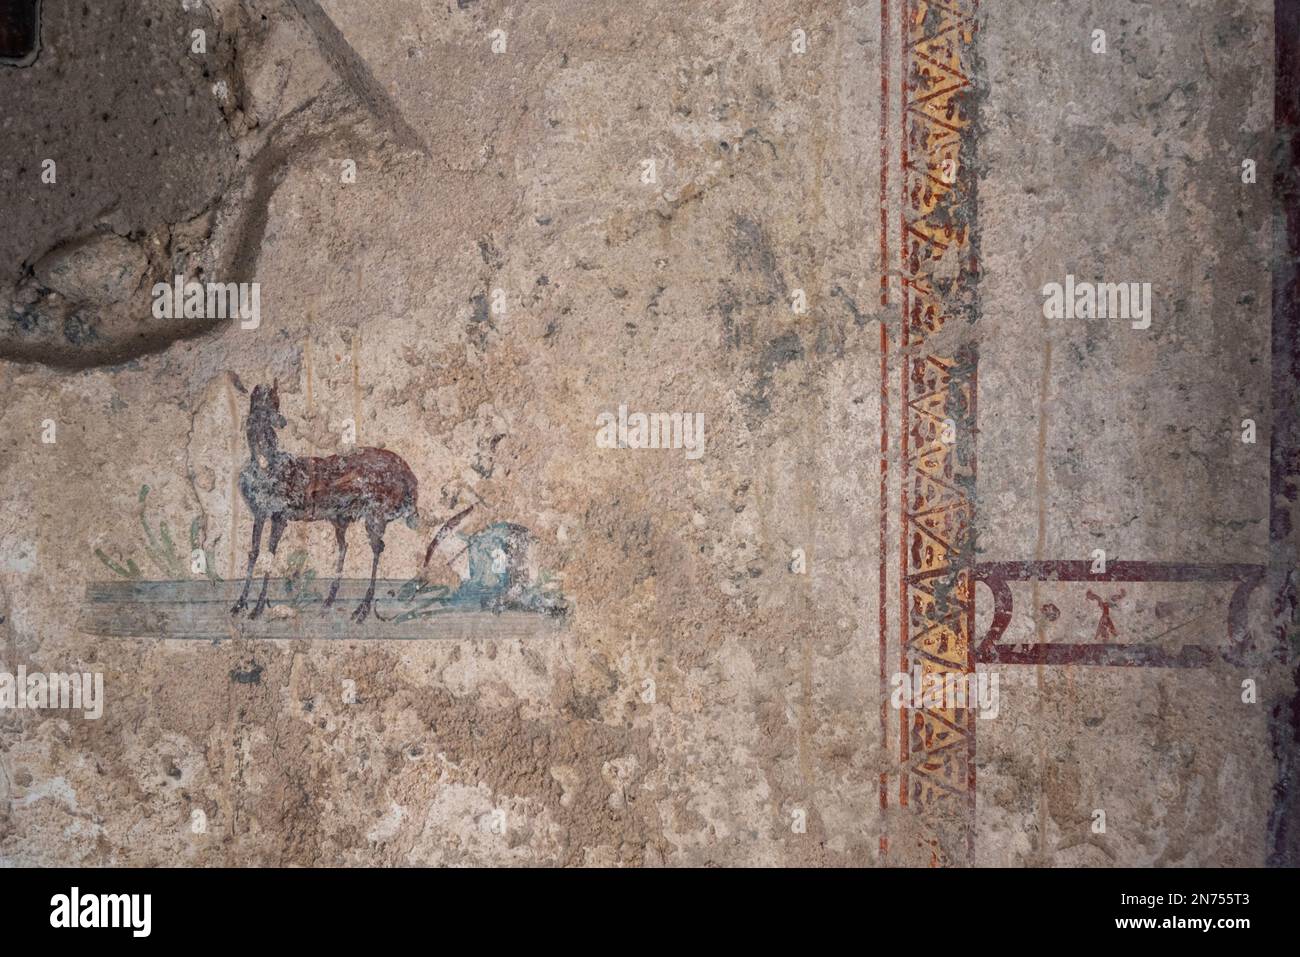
<point x="234" y="380"/>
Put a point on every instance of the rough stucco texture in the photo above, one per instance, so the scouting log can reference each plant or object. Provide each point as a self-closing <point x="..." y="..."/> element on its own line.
<point x="497" y="275"/>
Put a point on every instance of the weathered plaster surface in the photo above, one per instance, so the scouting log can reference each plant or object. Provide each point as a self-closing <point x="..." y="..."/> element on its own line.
<point x="521" y="171"/>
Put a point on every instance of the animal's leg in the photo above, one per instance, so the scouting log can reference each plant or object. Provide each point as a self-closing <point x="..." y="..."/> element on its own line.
<point x="340" y="536"/>
<point x="375" y="531"/>
<point x="252" y="562"/>
<point x="278" y="522"/>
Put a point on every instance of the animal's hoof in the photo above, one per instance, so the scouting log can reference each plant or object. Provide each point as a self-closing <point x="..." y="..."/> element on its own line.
<point x="237" y="607"/>
<point x="257" y="611"/>
<point x="362" y="612"/>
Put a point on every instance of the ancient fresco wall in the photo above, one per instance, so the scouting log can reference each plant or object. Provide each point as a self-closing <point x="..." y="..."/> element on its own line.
<point x="707" y="350"/>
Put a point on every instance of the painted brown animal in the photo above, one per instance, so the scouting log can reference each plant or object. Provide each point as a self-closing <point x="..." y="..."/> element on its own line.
<point x="367" y="485"/>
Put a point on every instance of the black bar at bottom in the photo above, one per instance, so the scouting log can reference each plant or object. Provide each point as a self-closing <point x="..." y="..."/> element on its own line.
<point x="336" y="907"/>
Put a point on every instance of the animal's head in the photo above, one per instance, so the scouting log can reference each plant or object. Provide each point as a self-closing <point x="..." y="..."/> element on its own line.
<point x="264" y="406"/>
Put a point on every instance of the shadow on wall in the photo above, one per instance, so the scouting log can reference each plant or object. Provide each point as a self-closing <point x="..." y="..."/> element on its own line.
<point x="20" y="31"/>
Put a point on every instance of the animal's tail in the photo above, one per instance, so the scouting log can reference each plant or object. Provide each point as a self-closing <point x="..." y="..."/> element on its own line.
<point x="443" y="529"/>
